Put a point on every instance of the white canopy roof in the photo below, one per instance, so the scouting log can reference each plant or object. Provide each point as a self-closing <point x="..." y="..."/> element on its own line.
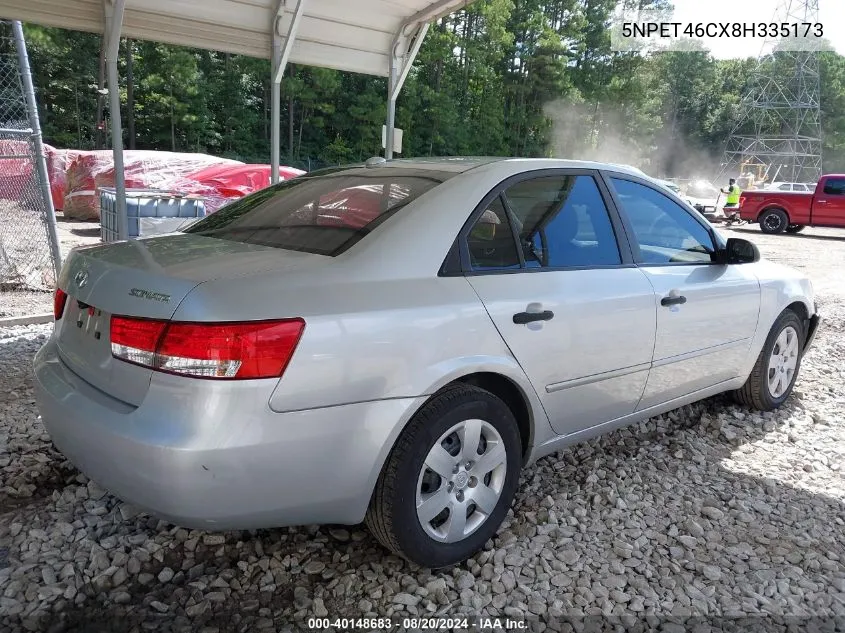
<point x="351" y="35"/>
<point x="375" y="37"/>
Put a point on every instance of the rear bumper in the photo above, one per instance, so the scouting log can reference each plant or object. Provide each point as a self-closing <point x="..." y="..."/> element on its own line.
<point x="209" y="455"/>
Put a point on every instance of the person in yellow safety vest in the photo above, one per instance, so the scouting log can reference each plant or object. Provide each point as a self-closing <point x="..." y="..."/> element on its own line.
<point x="732" y="201"/>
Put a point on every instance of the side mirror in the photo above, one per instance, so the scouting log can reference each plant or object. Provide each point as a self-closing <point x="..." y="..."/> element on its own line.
<point x="739" y="251"/>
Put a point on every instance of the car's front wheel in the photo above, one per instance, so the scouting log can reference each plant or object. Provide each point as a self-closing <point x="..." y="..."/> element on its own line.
<point x="774" y="374"/>
<point x="449" y="480"/>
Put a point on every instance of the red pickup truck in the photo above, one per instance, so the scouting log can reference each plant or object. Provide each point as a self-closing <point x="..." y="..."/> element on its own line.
<point x="779" y="211"/>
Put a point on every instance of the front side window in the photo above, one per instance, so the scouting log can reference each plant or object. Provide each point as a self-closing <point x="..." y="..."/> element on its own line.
<point x="563" y="222"/>
<point x="664" y="231"/>
<point x="835" y="187"/>
<point x="324" y="213"/>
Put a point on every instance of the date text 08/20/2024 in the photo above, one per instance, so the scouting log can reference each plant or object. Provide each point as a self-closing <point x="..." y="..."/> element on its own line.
<point x="478" y="625"/>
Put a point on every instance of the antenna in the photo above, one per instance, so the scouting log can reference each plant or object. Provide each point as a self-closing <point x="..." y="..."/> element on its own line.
<point x="779" y="125"/>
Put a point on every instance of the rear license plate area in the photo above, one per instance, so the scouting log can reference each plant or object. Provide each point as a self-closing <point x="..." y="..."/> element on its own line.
<point x="89" y="321"/>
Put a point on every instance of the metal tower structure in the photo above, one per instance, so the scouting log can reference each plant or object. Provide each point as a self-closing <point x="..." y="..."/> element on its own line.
<point x="778" y="133"/>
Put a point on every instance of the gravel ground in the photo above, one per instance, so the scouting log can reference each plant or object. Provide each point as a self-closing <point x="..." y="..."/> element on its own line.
<point x="16" y="303"/>
<point x="710" y="510"/>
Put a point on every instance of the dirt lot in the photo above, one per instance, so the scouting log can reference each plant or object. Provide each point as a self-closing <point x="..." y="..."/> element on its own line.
<point x="709" y="511"/>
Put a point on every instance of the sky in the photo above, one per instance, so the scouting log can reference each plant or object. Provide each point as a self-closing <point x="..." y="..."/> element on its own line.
<point x="831" y="15"/>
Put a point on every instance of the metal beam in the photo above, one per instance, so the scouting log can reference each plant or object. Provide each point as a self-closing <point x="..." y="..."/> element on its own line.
<point x="436" y="10"/>
<point x="284" y="51"/>
<point x="40" y="160"/>
<point x="113" y="10"/>
<point x="401" y="59"/>
<point x="408" y="60"/>
<point x="281" y="54"/>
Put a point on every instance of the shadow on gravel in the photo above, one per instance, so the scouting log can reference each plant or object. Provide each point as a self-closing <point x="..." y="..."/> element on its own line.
<point x="49" y="478"/>
<point x="154" y="607"/>
<point x="93" y="232"/>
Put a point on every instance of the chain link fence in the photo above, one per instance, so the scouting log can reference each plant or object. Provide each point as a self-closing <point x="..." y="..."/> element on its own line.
<point x="27" y="250"/>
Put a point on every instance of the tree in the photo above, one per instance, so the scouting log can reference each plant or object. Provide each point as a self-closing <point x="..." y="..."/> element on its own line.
<point x="500" y="77"/>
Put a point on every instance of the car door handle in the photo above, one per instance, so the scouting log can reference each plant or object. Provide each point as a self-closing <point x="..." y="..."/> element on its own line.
<point x="672" y="300"/>
<point x="821" y="201"/>
<point x="521" y="318"/>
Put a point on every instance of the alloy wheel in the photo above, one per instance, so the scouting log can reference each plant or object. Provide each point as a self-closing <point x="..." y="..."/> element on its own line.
<point x="461" y="481"/>
<point x="783" y="362"/>
<point x="772" y="221"/>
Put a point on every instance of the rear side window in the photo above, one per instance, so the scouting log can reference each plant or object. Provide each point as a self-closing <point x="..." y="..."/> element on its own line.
<point x="835" y="186"/>
<point x="491" y="243"/>
<point x="323" y="213"/>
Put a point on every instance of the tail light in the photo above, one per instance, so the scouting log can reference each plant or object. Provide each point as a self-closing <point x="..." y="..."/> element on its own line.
<point x="741" y="201"/>
<point x="255" y="349"/>
<point x="59" y="301"/>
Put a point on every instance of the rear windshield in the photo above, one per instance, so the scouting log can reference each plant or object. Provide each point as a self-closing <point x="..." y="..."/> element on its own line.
<point x="324" y="212"/>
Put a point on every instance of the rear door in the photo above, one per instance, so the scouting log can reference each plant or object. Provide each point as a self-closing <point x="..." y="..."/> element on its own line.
<point x="578" y="316"/>
<point x="706" y="313"/>
<point x="829" y="203"/>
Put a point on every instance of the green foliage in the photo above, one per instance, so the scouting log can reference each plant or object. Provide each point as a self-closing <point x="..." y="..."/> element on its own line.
<point x="502" y="77"/>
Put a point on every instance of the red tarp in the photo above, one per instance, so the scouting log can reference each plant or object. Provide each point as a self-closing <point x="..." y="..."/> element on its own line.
<point x="79" y="201"/>
<point x="356" y="207"/>
<point x="240" y="180"/>
<point x="216" y="180"/>
<point x="15" y="171"/>
<point x="58" y="161"/>
<point x="142" y="170"/>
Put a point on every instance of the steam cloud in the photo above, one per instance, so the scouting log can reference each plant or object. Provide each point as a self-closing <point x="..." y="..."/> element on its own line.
<point x="603" y="133"/>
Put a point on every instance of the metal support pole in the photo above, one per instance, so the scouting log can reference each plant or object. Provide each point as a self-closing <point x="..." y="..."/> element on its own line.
<point x="281" y="54"/>
<point x="40" y="160"/>
<point x="275" y="129"/>
<point x="391" y="110"/>
<point x="114" y="23"/>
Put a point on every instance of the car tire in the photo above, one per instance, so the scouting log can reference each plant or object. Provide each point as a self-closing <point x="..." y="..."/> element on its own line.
<point x="795" y="228"/>
<point x="786" y="338"/>
<point x="406" y="481"/>
<point x="773" y="221"/>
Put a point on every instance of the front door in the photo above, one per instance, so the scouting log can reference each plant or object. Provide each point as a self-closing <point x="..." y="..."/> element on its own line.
<point x="706" y="313"/>
<point x="578" y="318"/>
<point x="829" y="204"/>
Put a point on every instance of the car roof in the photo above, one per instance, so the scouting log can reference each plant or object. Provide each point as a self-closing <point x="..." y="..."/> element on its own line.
<point x="466" y="163"/>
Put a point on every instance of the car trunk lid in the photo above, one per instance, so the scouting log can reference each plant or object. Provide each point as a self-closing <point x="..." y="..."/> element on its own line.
<point x="145" y="279"/>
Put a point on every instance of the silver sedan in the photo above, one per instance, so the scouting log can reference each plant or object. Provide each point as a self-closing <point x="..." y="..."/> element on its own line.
<point x="392" y="342"/>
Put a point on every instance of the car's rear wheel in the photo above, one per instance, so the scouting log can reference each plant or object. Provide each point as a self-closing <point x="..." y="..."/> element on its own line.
<point x="774" y="374"/>
<point x="795" y="228"/>
<point x="449" y="480"/>
<point x="773" y="221"/>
